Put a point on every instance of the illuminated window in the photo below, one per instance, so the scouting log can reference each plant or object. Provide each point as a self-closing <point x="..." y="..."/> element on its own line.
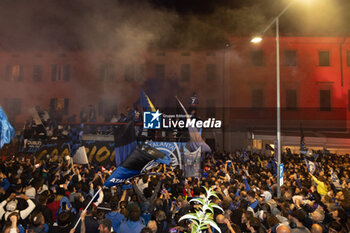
<point x="323" y="58"/>
<point x="14" y="73"/>
<point x="59" y="105"/>
<point x="257" y="144"/>
<point x="211" y="72"/>
<point x="60" y="72"/>
<point x="325" y="100"/>
<point x="185" y="72"/>
<point x="257" y="58"/>
<point x="107" y="72"/>
<point x="290" y="58"/>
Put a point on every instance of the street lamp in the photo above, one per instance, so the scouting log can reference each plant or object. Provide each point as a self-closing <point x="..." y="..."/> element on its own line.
<point x="278" y="106"/>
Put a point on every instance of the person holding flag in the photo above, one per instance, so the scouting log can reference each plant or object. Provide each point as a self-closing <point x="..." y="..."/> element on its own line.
<point x="137" y="161"/>
<point x="321" y="184"/>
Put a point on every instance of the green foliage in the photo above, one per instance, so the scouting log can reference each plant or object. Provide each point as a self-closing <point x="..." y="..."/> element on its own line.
<point x="204" y="215"/>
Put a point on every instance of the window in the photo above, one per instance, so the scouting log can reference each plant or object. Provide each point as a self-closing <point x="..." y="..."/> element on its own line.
<point x="291" y="100"/>
<point x="134" y="72"/>
<point x="257" y="98"/>
<point x="210" y="111"/>
<point x="290" y="58"/>
<point x="348" y="58"/>
<point x="60" y="72"/>
<point x="257" y="144"/>
<point x="14" y="73"/>
<point x="257" y="58"/>
<point x="37" y="73"/>
<point x="160" y="70"/>
<point x="323" y="58"/>
<point x="59" y="105"/>
<point x="211" y="72"/>
<point x="12" y="106"/>
<point x="325" y="100"/>
<point x="129" y="73"/>
<point x="185" y="72"/>
<point x="107" y="72"/>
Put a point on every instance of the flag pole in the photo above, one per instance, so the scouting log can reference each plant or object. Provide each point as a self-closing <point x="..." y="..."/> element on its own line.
<point x="88" y="206"/>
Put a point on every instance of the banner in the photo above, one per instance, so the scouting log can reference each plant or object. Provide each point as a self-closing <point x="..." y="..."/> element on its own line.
<point x="98" y="152"/>
<point x="171" y="149"/>
<point x="192" y="163"/>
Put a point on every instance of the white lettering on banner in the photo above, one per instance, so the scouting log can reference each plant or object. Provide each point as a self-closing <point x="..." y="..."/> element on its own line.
<point x="115" y="180"/>
<point x="34" y="143"/>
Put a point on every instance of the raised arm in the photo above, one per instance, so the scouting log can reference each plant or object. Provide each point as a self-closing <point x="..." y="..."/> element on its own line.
<point x="31" y="206"/>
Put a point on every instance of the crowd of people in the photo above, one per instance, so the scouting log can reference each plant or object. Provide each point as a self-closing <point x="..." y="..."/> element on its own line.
<point x="49" y="196"/>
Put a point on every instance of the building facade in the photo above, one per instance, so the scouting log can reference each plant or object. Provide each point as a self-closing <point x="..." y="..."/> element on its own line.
<point x="236" y="84"/>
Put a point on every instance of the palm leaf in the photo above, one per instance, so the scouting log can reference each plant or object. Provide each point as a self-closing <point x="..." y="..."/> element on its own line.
<point x="213" y="224"/>
<point x="189" y="216"/>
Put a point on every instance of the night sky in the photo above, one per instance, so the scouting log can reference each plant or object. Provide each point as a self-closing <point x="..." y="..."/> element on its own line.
<point x="192" y="24"/>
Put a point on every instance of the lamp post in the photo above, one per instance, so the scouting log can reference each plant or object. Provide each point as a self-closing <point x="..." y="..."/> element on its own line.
<point x="278" y="94"/>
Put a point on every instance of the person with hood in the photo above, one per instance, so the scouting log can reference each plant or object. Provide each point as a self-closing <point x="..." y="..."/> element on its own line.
<point x="115" y="216"/>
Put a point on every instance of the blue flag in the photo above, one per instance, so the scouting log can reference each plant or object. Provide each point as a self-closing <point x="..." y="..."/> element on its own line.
<point x="125" y="141"/>
<point x="311" y="166"/>
<point x="244" y="156"/>
<point x="133" y="165"/>
<point x="171" y="150"/>
<point x="75" y="139"/>
<point x="7" y="132"/>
